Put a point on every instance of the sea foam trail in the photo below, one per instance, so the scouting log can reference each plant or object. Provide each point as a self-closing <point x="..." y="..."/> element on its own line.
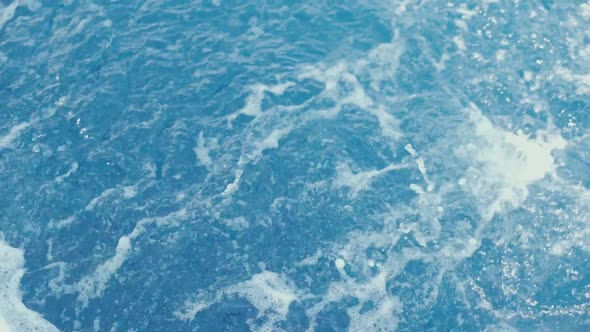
<point x="270" y="293"/>
<point x="14" y="315"/>
<point x="7" y="12"/>
<point x="7" y="140"/>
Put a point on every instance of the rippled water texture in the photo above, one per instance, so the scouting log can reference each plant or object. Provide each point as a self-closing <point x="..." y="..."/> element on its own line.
<point x="278" y="165"/>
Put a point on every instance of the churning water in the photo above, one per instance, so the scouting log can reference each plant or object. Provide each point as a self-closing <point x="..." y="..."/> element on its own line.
<point x="409" y="165"/>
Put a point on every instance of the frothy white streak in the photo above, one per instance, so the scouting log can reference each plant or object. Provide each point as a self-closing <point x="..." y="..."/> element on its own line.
<point x="232" y="187"/>
<point x="383" y="315"/>
<point x="410" y="149"/>
<point x="253" y="155"/>
<point x="7" y="140"/>
<point x="360" y="181"/>
<point x="62" y="223"/>
<point x="202" y="152"/>
<point x="388" y="124"/>
<point x="466" y="13"/>
<point x="7" y="12"/>
<point x="342" y="85"/>
<point x="94" y="285"/>
<point x="97" y="200"/>
<point x="269" y="292"/>
<point x="73" y="169"/>
<point x="253" y="105"/>
<point x="460" y="43"/>
<point x="581" y="80"/>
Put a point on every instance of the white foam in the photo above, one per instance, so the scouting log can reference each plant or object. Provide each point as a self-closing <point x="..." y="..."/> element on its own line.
<point x="416" y="188"/>
<point x="253" y="155"/>
<point x="383" y="315"/>
<point x="585" y="10"/>
<point x="61" y="102"/>
<point x="170" y="220"/>
<point x="422" y="169"/>
<point x="465" y="12"/>
<point x="369" y="282"/>
<point x="73" y="169"/>
<point x="504" y="163"/>
<point x="191" y="309"/>
<point x="253" y="105"/>
<point x="410" y="149"/>
<point x="459" y="249"/>
<point x="461" y="24"/>
<point x="129" y="191"/>
<point x="460" y="43"/>
<point x="311" y="260"/>
<point x="267" y="291"/>
<point x="339" y="263"/>
<point x="235" y="185"/>
<point x="270" y="142"/>
<point x="577" y="235"/>
<point x="62" y="223"/>
<point x="342" y="85"/>
<point x="98" y="200"/>
<point x="388" y="124"/>
<point x="500" y="55"/>
<point x="576" y="238"/>
<point x="7" y="140"/>
<point x="202" y="152"/>
<point x="386" y="57"/>
<point x="270" y="294"/>
<point x="237" y="224"/>
<point x="7" y="12"/>
<point x="528" y="76"/>
<point x="441" y="64"/>
<point x="93" y="286"/>
<point x="14" y="315"/>
<point x="500" y="327"/>
<point x="361" y="180"/>
<point x="421" y="166"/>
<point x="582" y="81"/>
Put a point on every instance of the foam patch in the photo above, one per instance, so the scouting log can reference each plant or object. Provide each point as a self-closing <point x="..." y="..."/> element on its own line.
<point x="14" y="315"/>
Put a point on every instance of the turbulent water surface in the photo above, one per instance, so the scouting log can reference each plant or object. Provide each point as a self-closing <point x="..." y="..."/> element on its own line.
<point x="370" y="165"/>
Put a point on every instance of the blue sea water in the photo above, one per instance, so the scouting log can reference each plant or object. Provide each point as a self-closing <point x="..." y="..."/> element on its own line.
<point x="400" y="165"/>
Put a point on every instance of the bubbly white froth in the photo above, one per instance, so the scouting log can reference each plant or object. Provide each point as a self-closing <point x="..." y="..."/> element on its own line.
<point x="14" y="315"/>
<point x="270" y="293"/>
<point x="359" y="181"/>
<point x="504" y="164"/>
<point x="93" y="286"/>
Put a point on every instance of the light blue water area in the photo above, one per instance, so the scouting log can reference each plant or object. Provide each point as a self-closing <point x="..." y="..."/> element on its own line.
<point x="406" y="165"/>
